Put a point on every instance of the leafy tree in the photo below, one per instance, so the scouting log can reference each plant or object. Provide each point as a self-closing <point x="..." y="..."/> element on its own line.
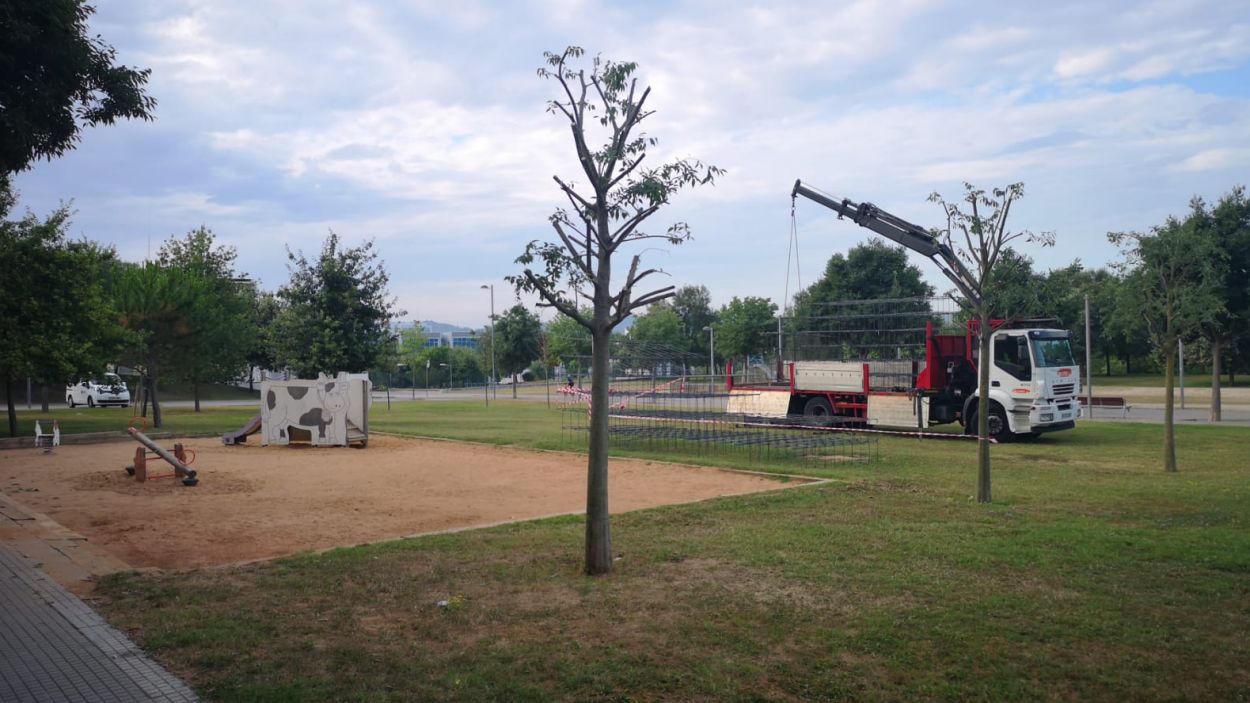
<point x="264" y="309"/>
<point x="1172" y="273"/>
<point x="604" y="109"/>
<point x="693" y="304"/>
<point x="747" y="326"/>
<point x="55" y="317"/>
<point x="411" y="346"/>
<point x="337" y="313"/>
<point x="519" y="335"/>
<point x="1227" y="226"/>
<point x="216" y="346"/>
<point x="452" y="366"/>
<point x="57" y="80"/>
<point x="976" y="228"/>
<point x="869" y="271"/>
<point x="567" y="341"/>
<point x="158" y="305"/>
<point x="659" y="324"/>
<point x="1014" y="289"/>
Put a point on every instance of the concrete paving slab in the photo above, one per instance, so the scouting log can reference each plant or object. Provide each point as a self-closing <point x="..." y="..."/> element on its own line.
<point x="53" y="647"/>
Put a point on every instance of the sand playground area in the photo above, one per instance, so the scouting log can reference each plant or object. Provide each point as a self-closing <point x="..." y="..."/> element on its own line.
<point x="257" y="502"/>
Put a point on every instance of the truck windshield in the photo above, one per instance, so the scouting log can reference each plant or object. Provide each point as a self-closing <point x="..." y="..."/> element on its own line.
<point x="1052" y="352"/>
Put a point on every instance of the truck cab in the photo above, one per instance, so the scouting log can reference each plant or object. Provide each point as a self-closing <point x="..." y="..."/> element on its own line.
<point x="107" y="389"/>
<point x="1034" y="383"/>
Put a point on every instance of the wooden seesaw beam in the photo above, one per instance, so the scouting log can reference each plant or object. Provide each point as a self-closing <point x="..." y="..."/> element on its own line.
<point x="181" y="470"/>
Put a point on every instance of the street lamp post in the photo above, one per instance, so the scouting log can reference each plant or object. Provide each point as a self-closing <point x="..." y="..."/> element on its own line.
<point x="493" y="373"/>
<point x="427" y="378"/>
<point x="402" y="368"/>
<point x="711" y="358"/>
<point x="450" y="373"/>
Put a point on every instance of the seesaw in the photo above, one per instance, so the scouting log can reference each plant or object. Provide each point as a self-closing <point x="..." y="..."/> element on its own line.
<point x="178" y="459"/>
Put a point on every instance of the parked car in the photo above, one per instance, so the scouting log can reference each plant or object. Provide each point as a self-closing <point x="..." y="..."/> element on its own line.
<point x="108" y="389"/>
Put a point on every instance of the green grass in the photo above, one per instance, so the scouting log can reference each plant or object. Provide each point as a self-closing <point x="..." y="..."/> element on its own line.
<point x="1193" y="379"/>
<point x="175" y="420"/>
<point x="1092" y="576"/>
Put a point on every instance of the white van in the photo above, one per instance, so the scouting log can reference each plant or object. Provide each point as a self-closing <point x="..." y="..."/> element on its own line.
<point x="109" y="389"/>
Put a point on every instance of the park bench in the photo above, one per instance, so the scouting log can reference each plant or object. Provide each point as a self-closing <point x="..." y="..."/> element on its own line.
<point x="1108" y="401"/>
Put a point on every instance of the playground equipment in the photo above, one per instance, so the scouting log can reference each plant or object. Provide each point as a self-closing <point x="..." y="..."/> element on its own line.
<point x="49" y="442"/>
<point x="178" y="459"/>
<point x="330" y="411"/>
<point x="240" y="435"/>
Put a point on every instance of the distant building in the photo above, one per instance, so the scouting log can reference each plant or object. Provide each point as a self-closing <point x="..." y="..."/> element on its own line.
<point x="459" y="340"/>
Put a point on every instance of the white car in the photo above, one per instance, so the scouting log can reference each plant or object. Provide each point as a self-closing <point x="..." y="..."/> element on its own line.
<point x="109" y="389"/>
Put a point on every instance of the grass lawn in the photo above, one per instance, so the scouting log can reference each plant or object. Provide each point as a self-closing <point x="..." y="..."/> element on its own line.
<point x="1193" y="379"/>
<point x="1093" y="576"/>
<point x="175" y="420"/>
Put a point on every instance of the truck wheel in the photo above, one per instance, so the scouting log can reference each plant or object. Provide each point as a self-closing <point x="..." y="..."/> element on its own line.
<point x="818" y="408"/>
<point x="69" y="400"/>
<point x="90" y="402"/>
<point x="998" y="427"/>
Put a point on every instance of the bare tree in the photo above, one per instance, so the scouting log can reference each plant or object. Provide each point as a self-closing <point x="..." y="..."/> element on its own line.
<point x="604" y="107"/>
<point x="979" y="235"/>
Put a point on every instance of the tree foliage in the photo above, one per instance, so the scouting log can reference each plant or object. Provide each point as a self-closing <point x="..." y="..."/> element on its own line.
<point x="1173" y="273"/>
<point x="158" y="305"/>
<point x="336" y="312"/>
<point x="518" y="334"/>
<point x="746" y="326"/>
<point x="693" y="305"/>
<point x="660" y="324"/>
<point x="603" y="108"/>
<point x="216" y="346"/>
<point x="869" y="271"/>
<point x="56" y="319"/>
<point x="57" y="80"/>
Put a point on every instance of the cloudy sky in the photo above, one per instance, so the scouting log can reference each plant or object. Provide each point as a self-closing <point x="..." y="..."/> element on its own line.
<point x="421" y="125"/>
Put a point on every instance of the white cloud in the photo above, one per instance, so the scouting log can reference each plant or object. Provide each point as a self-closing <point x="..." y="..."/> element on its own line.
<point x="429" y="119"/>
<point x="1213" y="159"/>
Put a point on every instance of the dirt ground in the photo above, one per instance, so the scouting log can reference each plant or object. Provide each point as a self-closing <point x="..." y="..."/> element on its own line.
<point x="257" y="502"/>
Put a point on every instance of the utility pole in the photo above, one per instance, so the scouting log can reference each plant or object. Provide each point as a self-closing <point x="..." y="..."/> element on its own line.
<point x="711" y="359"/>
<point x="1089" y="367"/>
<point x="493" y="373"/>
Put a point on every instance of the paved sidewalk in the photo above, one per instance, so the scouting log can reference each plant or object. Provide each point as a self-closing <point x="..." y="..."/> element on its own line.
<point x="55" y="648"/>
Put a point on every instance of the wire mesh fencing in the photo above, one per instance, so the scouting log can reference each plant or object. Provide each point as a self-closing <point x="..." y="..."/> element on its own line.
<point x="687" y="416"/>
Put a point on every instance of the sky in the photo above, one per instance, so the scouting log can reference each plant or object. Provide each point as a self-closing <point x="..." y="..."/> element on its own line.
<point x="422" y="126"/>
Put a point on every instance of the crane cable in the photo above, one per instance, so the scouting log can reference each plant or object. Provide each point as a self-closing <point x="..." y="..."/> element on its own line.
<point x="792" y="255"/>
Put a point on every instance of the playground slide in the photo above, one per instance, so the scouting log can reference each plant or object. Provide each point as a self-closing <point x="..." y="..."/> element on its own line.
<point x="252" y="427"/>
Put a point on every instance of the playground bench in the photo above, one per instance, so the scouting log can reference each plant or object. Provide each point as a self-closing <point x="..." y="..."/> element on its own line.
<point x="1108" y="401"/>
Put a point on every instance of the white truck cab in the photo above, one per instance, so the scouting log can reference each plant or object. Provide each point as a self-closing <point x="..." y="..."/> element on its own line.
<point x="1035" y="380"/>
<point x="108" y="389"/>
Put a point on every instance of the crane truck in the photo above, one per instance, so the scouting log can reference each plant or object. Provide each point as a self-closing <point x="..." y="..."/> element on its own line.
<point x="1034" y="379"/>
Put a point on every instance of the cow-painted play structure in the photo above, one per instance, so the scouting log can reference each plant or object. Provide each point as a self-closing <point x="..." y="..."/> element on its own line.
<point x="332" y="411"/>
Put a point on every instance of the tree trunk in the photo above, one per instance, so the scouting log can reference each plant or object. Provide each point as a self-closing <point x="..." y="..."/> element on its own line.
<point x="195" y="393"/>
<point x="1107" y="357"/>
<point x="514" y="382"/>
<point x="1217" y="346"/>
<point x="598" y="528"/>
<point x="1169" y="386"/>
<point x="156" y="403"/>
<point x="43" y="398"/>
<point x="251" y="378"/>
<point x="983" y="411"/>
<point x="8" y="398"/>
